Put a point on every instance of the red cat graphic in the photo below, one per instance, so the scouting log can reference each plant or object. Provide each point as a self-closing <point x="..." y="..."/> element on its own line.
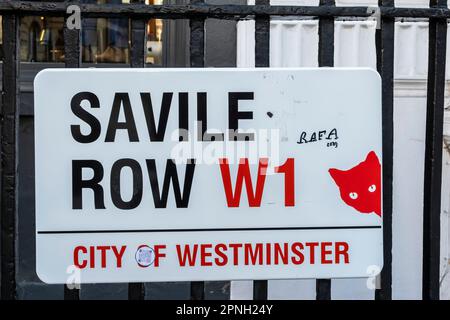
<point x="360" y="186"/>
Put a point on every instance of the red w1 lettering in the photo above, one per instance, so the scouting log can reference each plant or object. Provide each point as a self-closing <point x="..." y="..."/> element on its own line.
<point x="255" y="196"/>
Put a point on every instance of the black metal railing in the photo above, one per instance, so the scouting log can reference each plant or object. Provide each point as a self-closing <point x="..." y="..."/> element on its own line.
<point x="197" y="12"/>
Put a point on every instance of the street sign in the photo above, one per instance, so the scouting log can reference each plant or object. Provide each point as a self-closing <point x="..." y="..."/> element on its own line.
<point x="207" y="174"/>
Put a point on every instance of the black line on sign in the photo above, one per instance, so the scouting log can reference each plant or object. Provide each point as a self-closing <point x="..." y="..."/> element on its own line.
<point x="202" y="230"/>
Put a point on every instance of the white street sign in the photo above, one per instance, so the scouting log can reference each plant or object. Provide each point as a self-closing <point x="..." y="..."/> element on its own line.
<point x="207" y="174"/>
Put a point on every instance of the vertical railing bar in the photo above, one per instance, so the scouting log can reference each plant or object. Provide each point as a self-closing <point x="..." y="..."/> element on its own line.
<point x="262" y="59"/>
<point x="72" y="59"/>
<point x="197" y="290"/>
<point x="136" y="291"/>
<point x="260" y="289"/>
<point x="326" y="59"/>
<point x="197" y="40"/>
<point x="262" y="38"/>
<point x="385" y="65"/>
<point x="9" y="154"/>
<point x="72" y="47"/>
<point x="138" y="53"/>
<point x="326" y="38"/>
<point x="197" y="60"/>
<point x="433" y="154"/>
<point x="323" y="289"/>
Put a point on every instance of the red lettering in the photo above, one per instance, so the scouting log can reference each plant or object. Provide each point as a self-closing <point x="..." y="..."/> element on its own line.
<point x="341" y="248"/>
<point x="119" y="255"/>
<point x="186" y="255"/>
<point x="76" y="257"/>
<point x="281" y="253"/>
<point x="103" y="250"/>
<point x="253" y="254"/>
<point x="325" y="252"/>
<point x="243" y="174"/>
<point x="235" y="247"/>
<point x="219" y="249"/>
<point x="158" y="253"/>
<point x="312" y="251"/>
<point x="296" y="250"/>
<point x="268" y="254"/>
<point x="92" y="257"/>
<point x="289" y="182"/>
<point x="204" y="254"/>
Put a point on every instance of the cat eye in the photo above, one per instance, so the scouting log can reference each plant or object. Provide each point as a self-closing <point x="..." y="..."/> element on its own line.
<point x="372" y="188"/>
<point x="353" y="195"/>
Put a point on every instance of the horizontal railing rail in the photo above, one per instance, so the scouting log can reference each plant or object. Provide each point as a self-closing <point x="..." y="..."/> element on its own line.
<point x="233" y="12"/>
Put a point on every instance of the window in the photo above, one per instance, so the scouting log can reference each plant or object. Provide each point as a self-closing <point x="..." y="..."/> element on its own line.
<point x="154" y="37"/>
<point x="41" y="39"/>
<point x="103" y="40"/>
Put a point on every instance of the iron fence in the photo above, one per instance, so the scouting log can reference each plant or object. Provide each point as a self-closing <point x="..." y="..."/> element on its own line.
<point x="197" y="12"/>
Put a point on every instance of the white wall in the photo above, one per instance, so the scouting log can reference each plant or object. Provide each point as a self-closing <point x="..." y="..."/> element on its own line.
<point x="294" y="44"/>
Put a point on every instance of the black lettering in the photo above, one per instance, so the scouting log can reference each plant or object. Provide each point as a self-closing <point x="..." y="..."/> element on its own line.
<point x="234" y="115"/>
<point x="137" y="184"/>
<point x="183" y="120"/>
<point x="90" y="119"/>
<point x="302" y="138"/>
<point x="78" y="184"/>
<point x="121" y="99"/>
<point x="181" y="198"/>
<point x="202" y="119"/>
<point x="156" y="134"/>
<point x="332" y="133"/>
<point x="321" y="134"/>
